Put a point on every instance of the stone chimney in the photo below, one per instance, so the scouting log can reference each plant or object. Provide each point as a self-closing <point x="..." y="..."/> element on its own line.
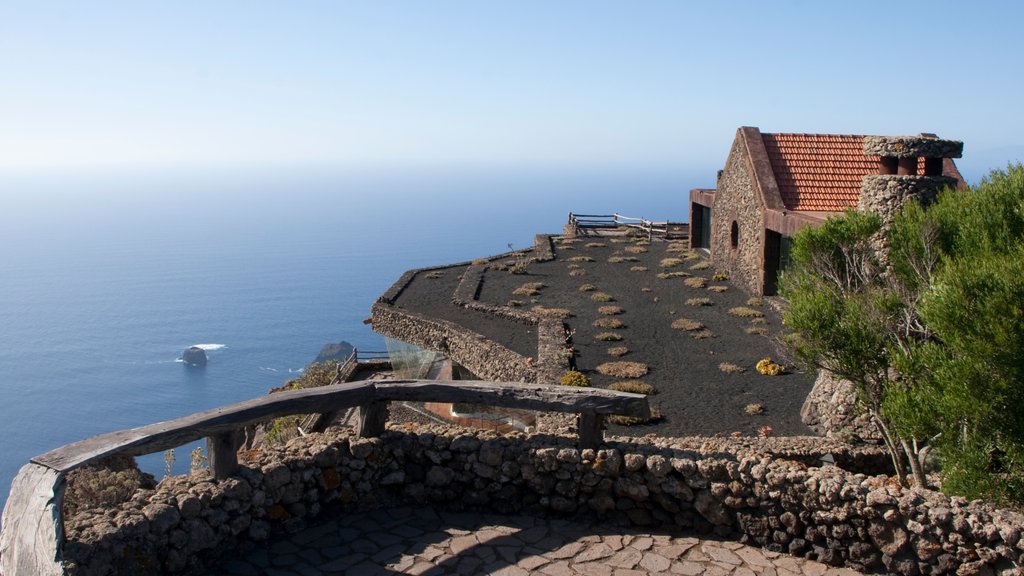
<point x="898" y="179"/>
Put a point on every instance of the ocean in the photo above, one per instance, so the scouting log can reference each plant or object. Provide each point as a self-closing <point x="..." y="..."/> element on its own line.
<point x="105" y="278"/>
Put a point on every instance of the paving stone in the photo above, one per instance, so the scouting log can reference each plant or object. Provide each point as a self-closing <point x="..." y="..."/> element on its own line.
<point x="420" y="568"/>
<point x="642" y="543"/>
<point x="655" y="563"/>
<point x="364" y="546"/>
<point x="752" y="556"/>
<point x="673" y="551"/>
<point x="814" y="568"/>
<point x="593" y="569"/>
<point x="406" y="531"/>
<point x="566" y="551"/>
<point x="469" y="565"/>
<point x="383" y="539"/>
<point x="485" y="553"/>
<point x="532" y="562"/>
<point x="594" y="552"/>
<point x="312" y="556"/>
<point x="626" y="558"/>
<point x="557" y="569"/>
<point x="531" y="535"/>
<point x="719" y="554"/>
<point x="315" y="533"/>
<point x="431" y="553"/>
<point x="614" y="542"/>
<point x="389" y="553"/>
<point x="507" y="571"/>
<point x="509" y="554"/>
<point x="462" y="543"/>
<point x="628" y="572"/>
<point x="343" y="563"/>
<point x="687" y="568"/>
<point x="403" y="564"/>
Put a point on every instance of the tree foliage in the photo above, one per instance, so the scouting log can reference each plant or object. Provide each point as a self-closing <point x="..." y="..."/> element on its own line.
<point x="933" y="343"/>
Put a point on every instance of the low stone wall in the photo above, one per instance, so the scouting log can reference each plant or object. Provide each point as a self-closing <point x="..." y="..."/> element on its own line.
<point x="485" y="358"/>
<point x="826" y="513"/>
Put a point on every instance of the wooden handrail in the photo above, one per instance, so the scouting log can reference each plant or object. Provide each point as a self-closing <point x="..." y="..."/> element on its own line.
<point x="221" y="422"/>
<point x="32" y="537"/>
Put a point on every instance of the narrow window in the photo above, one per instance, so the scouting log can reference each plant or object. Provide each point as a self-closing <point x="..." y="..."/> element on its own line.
<point x="734" y="236"/>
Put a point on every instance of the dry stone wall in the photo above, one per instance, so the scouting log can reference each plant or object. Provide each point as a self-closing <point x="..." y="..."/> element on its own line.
<point x="485" y="358"/>
<point x="824" y="513"/>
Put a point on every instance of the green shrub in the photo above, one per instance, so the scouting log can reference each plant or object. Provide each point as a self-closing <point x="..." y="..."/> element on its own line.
<point x="602" y="297"/>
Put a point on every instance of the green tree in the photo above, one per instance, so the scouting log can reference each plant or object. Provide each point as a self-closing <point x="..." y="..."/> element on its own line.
<point x="844" y="316"/>
<point x="932" y="342"/>
<point x="965" y="381"/>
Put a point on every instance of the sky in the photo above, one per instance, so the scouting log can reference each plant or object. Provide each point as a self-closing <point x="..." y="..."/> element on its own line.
<point x="637" y="85"/>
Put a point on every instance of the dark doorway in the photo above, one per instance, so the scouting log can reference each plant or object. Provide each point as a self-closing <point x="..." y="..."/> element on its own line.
<point x="772" y="261"/>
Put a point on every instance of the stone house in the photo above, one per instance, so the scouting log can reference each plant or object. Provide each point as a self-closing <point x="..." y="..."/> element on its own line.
<point x="775" y="184"/>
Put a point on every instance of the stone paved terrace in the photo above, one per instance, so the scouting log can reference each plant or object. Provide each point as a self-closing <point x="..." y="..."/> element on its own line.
<point x="423" y="541"/>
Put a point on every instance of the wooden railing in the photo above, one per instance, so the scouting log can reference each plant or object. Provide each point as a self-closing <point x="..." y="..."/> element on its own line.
<point x="596" y="221"/>
<point x="32" y="524"/>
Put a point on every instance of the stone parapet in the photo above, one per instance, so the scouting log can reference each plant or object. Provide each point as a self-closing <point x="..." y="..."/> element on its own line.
<point x="912" y="147"/>
<point x="749" y="493"/>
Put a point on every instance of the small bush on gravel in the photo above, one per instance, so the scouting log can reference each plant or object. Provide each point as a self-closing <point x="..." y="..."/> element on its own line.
<point x="577" y="272"/>
<point x="758" y="320"/>
<point x="667" y="275"/>
<point x="609" y="336"/>
<point x="695" y="282"/>
<point x="574" y="378"/>
<point x="755" y="302"/>
<point x="581" y="259"/>
<point x="645" y="289"/>
<point x="686" y="324"/>
<point x="623" y="369"/>
<point x="634" y="420"/>
<point x="759" y="330"/>
<point x="676" y="247"/>
<point x="744" y="312"/>
<point x="638" y="269"/>
<point x="602" y="297"/>
<point x="670" y="262"/>
<point x="699" y="302"/>
<point x="754" y="409"/>
<point x="701" y="266"/>
<point x="562" y="313"/>
<point x="609" y="323"/>
<point x="730" y="368"/>
<point x="718" y="289"/>
<point x="620" y="259"/>
<point x="529" y="289"/>
<point x="618" y="351"/>
<point x="514" y="303"/>
<point x="610" y="310"/>
<point x="720" y="276"/>
<point x="635" y="249"/>
<point x="768" y="367"/>
<point x="702" y="334"/>
<point x="596" y="244"/>
<point x="588" y="288"/>
<point x="634" y="386"/>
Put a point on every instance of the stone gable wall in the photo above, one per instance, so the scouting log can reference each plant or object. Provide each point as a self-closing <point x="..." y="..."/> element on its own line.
<point x="827" y="513"/>
<point x="736" y="200"/>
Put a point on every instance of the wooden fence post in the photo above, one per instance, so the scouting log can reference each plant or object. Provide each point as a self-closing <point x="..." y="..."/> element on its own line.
<point x="590" y="429"/>
<point x="223" y="453"/>
<point x="372" y="418"/>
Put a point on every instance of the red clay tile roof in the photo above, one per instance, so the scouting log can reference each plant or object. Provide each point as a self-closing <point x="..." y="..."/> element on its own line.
<point x="818" y="171"/>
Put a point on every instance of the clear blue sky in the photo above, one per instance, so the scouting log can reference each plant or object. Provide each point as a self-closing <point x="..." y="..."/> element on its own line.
<point x="631" y="84"/>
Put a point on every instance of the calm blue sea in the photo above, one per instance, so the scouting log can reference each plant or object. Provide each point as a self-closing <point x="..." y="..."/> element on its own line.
<point x="106" y="277"/>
